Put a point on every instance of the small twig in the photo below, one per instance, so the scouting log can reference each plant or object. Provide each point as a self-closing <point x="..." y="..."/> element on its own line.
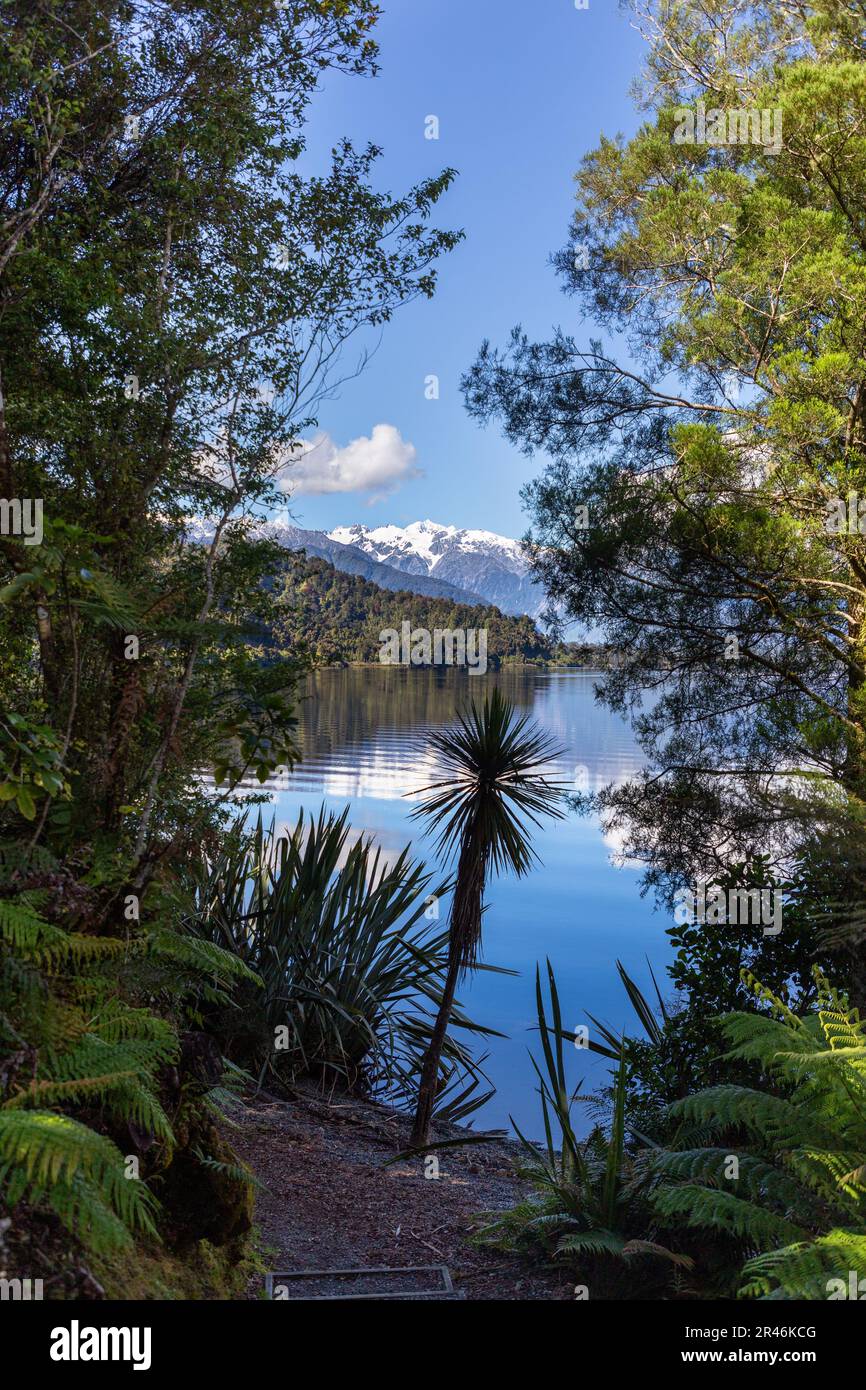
<point x="427" y="1243"/>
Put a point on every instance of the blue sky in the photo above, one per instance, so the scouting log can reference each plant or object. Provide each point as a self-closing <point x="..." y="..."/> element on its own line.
<point x="521" y="92"/>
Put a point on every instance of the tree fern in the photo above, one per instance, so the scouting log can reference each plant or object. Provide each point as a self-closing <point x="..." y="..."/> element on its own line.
<point x="726" y="1212"/>
<point x="797" y="1192"/>
<point x="758" y="1180"/>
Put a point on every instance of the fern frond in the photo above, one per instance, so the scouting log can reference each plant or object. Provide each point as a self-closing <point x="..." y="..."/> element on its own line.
<point x="22" y="929"/>
<point x="756" y="1179"/>
<point x="594" y="1242"/>
<point x="805" y="1269"/>
<point x="25" y="932"/>
<point x="64" y="1092"/>
<point x="52" y="1159"/>
<point x="203" y="956"/>
<point x="723" y="1211"/>
<point x="237" y="1172"/>
<point x="118" y="1022"/>
<point x="651" y="1247"/>
<point x="766" y="996"/>
<point x="730" y="1107"/>
<point x="759" y="1039"/>
<point x="134" y="1101"/>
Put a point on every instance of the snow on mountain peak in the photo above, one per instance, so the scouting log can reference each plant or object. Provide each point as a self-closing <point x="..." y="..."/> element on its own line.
<point x="482" y="561"/>
<point x="429" y="541"/>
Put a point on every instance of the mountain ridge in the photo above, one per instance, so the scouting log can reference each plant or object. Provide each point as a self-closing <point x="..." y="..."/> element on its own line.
<point x="480" y="561"/>
<point x="340" y="618"/>
<point x="349" y="559"/>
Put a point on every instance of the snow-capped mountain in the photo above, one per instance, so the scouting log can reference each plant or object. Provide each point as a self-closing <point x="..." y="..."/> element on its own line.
<point x="350" y="559"/>
<point x="480" y="561"/>
<point x="439" y="561"/>
<point x="353" y="559"/>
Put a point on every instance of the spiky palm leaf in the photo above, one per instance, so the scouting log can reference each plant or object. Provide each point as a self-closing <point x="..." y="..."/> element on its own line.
<point x="336" y="938"/>
<point x="489" y="788"/>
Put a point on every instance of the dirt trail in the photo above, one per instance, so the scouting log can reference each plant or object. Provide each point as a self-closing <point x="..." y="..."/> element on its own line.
<point x="330" y="1202"/>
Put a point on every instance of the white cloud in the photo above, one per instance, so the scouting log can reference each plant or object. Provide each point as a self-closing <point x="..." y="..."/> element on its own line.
<point x="378" y="464"/>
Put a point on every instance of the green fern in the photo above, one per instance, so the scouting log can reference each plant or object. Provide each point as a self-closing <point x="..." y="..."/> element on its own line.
<point x="807" y="1269"/>
<point x="236" y="1172"/>
<point x="799" y="1191"/>
<point x="726" y="1212"/>
<point x="80" y="1038"/>
<point x="81" y="1045"/>
<point x="53" y="1159"/>
<point x="46" y="945"/>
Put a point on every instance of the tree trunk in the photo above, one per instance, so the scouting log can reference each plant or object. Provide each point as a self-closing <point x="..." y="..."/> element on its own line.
<point x="430" y="1069"/>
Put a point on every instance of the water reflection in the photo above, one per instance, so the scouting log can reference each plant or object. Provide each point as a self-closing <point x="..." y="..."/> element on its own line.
<point x="364" y="729"/>
<point x="363" y="734"/>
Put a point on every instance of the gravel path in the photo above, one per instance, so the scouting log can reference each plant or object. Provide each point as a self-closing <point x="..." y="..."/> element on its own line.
<point x="329" y="1200"/>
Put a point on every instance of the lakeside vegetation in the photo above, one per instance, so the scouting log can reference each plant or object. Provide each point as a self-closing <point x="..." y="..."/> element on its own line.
<point x="338" y="619"/>
<point x="161" y="257"/>
<point x="161" y="956"/>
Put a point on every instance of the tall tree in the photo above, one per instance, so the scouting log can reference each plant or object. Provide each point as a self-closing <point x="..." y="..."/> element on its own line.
<point x="490" y="786"/>
<point x="177" y="299"/>
<point x="702" y="469"/>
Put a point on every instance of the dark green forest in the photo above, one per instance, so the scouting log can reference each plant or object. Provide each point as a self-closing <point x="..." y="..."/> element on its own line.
<point x="336" y="619"/>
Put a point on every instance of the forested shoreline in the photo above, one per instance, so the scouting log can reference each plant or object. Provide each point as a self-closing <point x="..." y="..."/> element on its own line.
<point x="338" y="619"/>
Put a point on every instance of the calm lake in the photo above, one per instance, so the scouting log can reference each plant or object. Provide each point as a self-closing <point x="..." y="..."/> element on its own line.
<point x="362" y="734"/>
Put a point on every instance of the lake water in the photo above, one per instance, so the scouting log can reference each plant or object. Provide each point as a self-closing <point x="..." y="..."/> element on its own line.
<point x="362" y="735"/>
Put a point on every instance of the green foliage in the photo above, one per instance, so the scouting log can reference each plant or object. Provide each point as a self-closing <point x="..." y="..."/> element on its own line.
<point x="714" y="457"/>
<point x="31" y="764"/>
<point x="590" y="1203"/>
<point x="41" y="943"/>
<point x="339" y="618"/>
<point x="163" y="255"/>
<point x="681" y="1045"/>
<point x="83" y="1050"/>
<point x="79" y="1174"/>
<point x="98" y="1056"/>
<point x="781" y="1169"/>
<point x="342" y="966"/>
<point x="146" y="303"/>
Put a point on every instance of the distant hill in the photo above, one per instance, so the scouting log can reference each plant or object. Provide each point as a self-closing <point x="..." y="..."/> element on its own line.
<point x="339" y="617"/>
